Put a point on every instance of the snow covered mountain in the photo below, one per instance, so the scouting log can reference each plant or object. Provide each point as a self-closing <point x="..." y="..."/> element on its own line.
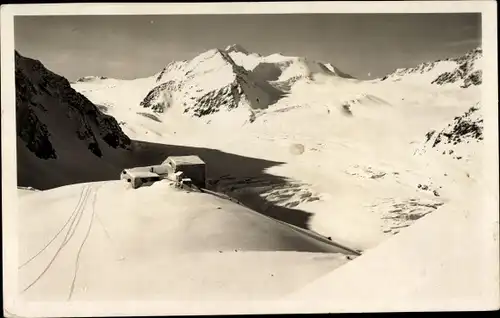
<point x="58" y="129"/>
<point x="208" y="83"/>
<point x="323" y="125"/>
<point x="295" y="140"/>
<point x="231" y="78"/>
<point x="463" y="71"/>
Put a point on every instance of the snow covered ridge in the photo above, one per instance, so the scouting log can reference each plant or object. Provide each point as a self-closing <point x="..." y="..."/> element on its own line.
<point x="90" y="79"/>
<point x="464" y="71"/>
<point x="47" y="108"/>
<point x="465" y="129"/>
<point x="227" y="79"/>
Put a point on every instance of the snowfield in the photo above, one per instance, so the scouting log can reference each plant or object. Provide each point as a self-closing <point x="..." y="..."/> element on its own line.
<point x="159" y="243"/>
<point x="323" y="166"/>
<point x="434" y="265"/>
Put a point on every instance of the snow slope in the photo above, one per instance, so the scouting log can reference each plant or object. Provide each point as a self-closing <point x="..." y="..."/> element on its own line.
<point x="159" y="242"/>
<point x="444" y="262"/>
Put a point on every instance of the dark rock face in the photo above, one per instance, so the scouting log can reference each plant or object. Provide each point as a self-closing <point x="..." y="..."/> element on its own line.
<point x="475" y="78"/>
<point x="227" y="97"/>
<point x="41" y="96"/>
<point x="153" y="100"/>
<point x="29" y="128"/>
<point x="35" y="134"/>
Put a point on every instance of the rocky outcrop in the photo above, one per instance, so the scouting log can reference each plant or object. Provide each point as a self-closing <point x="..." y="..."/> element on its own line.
<point x="90" y="79"/>
<point x="464" y="129"/>
<point x="466" y="71"/>
<point x="160" y="97"/>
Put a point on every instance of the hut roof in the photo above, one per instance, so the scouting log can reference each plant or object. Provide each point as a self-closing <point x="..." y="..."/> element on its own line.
<point x="185" y="160"/>
<point x="140" y="173"/>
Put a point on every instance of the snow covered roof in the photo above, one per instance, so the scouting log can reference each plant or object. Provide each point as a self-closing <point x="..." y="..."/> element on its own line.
<point x="185" y="160"/>
<point x="140" y="173"/>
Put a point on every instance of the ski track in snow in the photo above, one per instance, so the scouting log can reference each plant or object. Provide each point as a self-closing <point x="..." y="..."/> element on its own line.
<point x="77" y="260"/>
<point x="77" y="214"/>
<point x="71" y="219"/>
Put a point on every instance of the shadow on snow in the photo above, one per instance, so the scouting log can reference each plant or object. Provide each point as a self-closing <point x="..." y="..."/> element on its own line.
<point x="248" y="173"/>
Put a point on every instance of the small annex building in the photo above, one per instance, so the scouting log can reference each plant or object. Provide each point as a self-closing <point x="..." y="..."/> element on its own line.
<point x="139" y="176"/>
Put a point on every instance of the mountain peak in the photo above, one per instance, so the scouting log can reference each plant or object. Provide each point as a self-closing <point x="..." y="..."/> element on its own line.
<point x="236" y="48"/>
